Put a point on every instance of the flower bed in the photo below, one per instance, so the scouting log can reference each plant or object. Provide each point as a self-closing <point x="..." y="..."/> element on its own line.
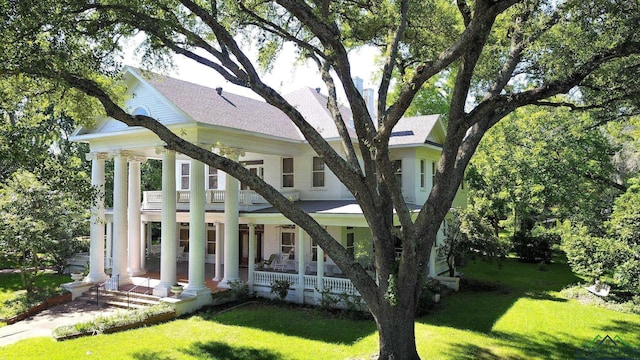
<point x="47" y="303"/>
<point x="120" y="321"/>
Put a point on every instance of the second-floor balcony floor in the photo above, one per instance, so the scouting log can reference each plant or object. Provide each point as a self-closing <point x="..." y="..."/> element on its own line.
<point x="214" y="199"/>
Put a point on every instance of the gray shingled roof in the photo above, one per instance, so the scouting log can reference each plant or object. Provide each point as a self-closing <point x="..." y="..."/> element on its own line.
<point x="205" y="105"/>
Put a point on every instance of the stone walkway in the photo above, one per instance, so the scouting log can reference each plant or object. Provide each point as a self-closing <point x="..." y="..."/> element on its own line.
<point x="44" y="323"/>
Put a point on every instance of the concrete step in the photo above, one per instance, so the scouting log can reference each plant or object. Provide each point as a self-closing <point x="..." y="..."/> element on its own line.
<point x="119" y="299"/>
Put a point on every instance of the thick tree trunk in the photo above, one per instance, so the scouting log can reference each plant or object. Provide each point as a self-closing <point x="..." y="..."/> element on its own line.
<point x="396" y="328"/>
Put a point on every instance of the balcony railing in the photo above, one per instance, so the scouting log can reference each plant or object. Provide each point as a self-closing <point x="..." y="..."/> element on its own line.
<point x="153" y="199"/>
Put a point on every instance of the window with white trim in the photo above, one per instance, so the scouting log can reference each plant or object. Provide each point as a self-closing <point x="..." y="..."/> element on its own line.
<point x="212" y="178"/>
<point x="287" y="172"/>
<point x="423" y="173"/>
<point x="184" y="176"/>
<point x="433" y="173"/>
<point x="288" y="239"/>
<point x="317" y="172"/>
<point x="397" y="170"/>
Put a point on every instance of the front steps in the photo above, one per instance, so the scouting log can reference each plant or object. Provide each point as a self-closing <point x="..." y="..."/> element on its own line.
<point x="118" y="299"/>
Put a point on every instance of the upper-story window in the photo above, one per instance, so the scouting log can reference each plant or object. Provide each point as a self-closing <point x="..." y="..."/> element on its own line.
<point x="212" y="178"/>
<point x="255" y="167"/>
<point x="184" y="176"/>
<point x="317" y="172"/>
<point x="140" y="110"/>
<point x="287" y="172"/>
<point x="423" y="173"/>
<point x="433" y="173"/>
<point x="397" y="170"/>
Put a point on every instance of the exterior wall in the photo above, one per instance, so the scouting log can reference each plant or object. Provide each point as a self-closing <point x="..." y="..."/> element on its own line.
<point x="144" y="97"/>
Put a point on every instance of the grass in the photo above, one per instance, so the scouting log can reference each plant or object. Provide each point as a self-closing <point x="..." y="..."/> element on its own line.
<point x="523" y="318"/>
<point x="11" y="288"/>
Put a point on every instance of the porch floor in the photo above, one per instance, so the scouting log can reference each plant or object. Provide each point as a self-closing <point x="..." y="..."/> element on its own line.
<point x="182" y="274"/>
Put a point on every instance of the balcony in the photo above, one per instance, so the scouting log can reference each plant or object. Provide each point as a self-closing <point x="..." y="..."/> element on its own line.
<point x="214" y="199"/>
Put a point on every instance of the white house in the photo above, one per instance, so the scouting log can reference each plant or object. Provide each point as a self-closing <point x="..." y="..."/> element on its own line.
<point x="208" y="217"/>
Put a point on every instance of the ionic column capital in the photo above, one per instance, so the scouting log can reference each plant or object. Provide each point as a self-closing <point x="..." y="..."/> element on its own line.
<point x="91" y="156"/>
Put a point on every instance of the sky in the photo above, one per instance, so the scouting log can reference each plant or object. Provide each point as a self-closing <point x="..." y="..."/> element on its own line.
<point x="286" y="76"/>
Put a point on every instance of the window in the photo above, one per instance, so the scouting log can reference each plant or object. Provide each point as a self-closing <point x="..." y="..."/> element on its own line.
<point x="287" y="172"/>
<point x="211" y="239"/>
<point x="288" y="239"/>
<point x="423" y="173"/>
<point x="433" y="173"/>
<point x="350" y="241"/>
<point x="212" y="178"/>
<point x="318" y="172"/>
<point x="140" y="110"/>
<point x="397" y="170"/>
<point x="184" y="176"/>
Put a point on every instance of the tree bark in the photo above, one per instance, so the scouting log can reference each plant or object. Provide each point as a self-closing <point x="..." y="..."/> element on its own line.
<point x="396" y="331"/>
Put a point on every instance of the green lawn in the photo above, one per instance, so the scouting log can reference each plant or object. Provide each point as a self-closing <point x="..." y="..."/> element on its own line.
<point x="524" y="319"/>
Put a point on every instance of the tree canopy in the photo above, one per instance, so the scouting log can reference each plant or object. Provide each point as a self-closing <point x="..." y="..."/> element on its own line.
<point x="505" y="54"/>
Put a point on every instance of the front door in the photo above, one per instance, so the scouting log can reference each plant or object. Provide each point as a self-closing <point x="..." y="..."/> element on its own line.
<point x="244" y="244"/>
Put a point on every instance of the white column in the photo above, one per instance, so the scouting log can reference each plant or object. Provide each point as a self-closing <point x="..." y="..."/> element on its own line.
<point x="134" y="219"/>
<point x="231" y="241"/>
<point x="196" y="229"/>
<point x="301" y="243"/>
<point x="145" y="242"/>
<point x="120" y="225"/>
<point x="97" y="230"/>
<point x="320" y="269"/>
<point x="109" y="259"/>
<point x="168" y="229"/>
<point x="252" y="255"/>
<point x="432" y="262"/>
<point x="219" y="255"/>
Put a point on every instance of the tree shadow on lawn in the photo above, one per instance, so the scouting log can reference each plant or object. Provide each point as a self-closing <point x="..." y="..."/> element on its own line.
<point x="488" y="291"/>
<point x="215" y="350"/>
<point x="542" y="346"/>
<point x="292" y="320"/>
<point x="617" y="327"/>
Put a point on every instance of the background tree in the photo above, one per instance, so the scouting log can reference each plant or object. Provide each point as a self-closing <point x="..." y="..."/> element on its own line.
<point x="506" y="54"/>
<point x="468" y="234"/>
<point x="36" y="223"/>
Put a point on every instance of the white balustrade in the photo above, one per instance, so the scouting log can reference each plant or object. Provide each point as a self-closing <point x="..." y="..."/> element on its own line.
<point x="266" y="278"/>
<point x="246" y="197"/>
<point x="339" y="286"/>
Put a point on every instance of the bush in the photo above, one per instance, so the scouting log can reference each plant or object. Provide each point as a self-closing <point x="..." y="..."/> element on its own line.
<point x="280" y="288"/>
<point x="533" y="249"/>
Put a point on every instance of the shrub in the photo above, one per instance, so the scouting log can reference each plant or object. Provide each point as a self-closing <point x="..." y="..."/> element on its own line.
<point x="533" y="249"/>
<point x="280" y="288"/>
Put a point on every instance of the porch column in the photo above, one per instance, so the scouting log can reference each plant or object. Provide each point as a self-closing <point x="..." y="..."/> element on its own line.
<point x="432" y="262"/>
<point x="97" y="231"/>
<point x="218" y="266"/>
<point x="145" y="242"/>
<point x="252" y="255"/>
<point x="134" y="220"/>
<point x="196" y="229"/>
<point x="120" y="223"/>
<point x="231" y="241"/>
<point x="109" y="239"/>
<point x="300" y="256"/>
<point x="168" y="232"/>
<point x="320" y="276"/>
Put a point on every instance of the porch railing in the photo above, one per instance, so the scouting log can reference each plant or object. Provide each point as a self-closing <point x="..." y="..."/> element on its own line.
<point x="337" y="285"/>
<point x="246" y="197"/>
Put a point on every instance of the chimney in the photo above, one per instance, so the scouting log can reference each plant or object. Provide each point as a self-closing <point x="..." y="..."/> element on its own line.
<point x="219" y="90"/>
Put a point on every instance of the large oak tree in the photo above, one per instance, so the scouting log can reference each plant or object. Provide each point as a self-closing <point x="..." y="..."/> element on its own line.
<point x="505" y="54"/>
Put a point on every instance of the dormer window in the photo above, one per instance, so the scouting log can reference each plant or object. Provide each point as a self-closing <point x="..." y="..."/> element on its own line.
<point x="140" y="110"/>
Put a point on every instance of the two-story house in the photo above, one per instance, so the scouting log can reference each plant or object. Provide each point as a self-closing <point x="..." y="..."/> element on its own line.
<point x="209" y="219"/>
